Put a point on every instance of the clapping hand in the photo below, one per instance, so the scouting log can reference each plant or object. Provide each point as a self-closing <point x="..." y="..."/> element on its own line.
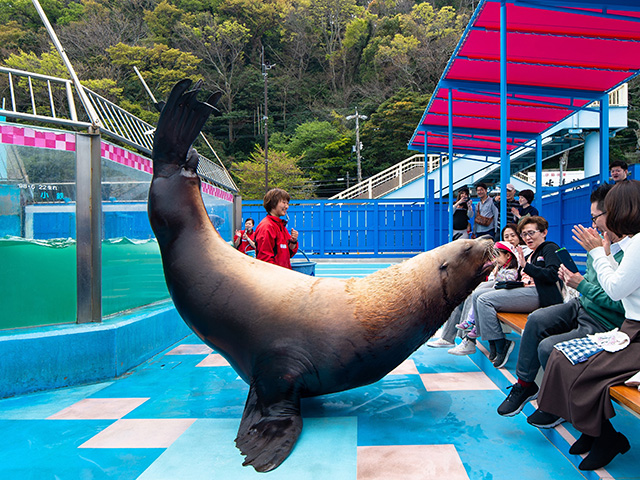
<point x="588" y="238"/>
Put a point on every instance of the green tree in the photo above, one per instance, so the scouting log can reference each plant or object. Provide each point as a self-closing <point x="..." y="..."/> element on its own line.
<point x="220" y="44"/>
<point x="308" y="144"/>
<point x="160" y="66"/>
<point x="283" y="173"/>
<point x="389" y="128"/>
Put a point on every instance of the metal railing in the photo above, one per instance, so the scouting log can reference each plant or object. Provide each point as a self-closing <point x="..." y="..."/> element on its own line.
<point x="390" y="179"/>
<point x="617" y="98"/>
<point x="51" y="100"/>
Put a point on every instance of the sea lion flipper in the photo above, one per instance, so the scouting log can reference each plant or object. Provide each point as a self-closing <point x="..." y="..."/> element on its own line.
<point x="268" y="432"/>
<point x="181" y="119"/>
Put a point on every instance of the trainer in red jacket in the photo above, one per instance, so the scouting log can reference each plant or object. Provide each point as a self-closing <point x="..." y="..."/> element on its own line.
<point x="274" y="244"/>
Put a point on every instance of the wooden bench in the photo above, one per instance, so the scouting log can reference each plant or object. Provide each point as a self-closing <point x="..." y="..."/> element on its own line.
<point x="628" y="397"/>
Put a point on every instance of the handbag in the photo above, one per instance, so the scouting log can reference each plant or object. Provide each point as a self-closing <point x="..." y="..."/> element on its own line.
<point x="482" y="220"/>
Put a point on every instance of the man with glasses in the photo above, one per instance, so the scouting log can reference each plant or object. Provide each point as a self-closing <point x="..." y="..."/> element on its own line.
<point x="592" y="312"/>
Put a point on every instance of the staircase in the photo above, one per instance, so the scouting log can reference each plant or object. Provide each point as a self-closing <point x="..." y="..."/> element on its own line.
<point x="390" y="179"/>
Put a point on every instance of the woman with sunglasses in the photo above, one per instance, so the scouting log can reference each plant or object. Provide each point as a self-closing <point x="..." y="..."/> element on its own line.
<point x="540" y="288"/>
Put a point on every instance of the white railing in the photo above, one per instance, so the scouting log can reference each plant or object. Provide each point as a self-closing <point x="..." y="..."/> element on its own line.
<point x="390" y="179"/>
<point x="42" y="98"/>
<point x="617" y="98"/>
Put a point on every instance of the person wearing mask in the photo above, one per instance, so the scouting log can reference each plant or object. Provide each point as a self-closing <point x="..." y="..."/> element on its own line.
<point x="274" y="243"/>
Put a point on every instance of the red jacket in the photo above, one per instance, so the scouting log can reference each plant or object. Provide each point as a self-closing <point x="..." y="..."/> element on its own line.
<point x="244" y="246"/>
<point x="272" y="242"/>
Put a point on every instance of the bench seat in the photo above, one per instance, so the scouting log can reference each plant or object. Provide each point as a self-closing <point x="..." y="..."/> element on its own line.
<point x="628" y="397"/>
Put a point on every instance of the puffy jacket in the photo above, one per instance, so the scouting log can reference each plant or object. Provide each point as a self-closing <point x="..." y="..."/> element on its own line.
<point x="272" y="242"/>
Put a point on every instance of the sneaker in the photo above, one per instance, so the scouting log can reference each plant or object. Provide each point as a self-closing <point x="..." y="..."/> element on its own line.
<point x="466" y="347"/>
<point x="465" y="325"/>
<point x="492" y="352"/>
<point x="440" y="343"/>
<point x="517" y="399"/>
<point x="542" y="419"/>
<point x="473" y="333"/>
<point x="503" y="357"/>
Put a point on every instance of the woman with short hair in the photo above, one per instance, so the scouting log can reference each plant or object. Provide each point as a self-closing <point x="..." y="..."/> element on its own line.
<point x="540" y="288"/>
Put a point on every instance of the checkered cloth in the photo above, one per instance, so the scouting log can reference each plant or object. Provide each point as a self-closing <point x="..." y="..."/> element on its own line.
<point x="578" y="349"/>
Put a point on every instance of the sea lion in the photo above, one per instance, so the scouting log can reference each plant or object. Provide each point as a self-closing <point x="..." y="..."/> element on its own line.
<point x="289" y="335"/>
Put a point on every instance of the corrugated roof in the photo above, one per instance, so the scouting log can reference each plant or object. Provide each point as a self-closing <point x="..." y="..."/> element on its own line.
<point x="561" y="56"/>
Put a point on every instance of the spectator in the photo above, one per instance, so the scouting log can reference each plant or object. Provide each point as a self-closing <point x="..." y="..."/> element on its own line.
<point x="541" y="288"/>
<point x="511" y="204"/>
<point x="449" y="331"/>
<point x="274" y="243"/>
<point x="486" y="215"/>
<point x="619" y="171"/>
<point x="461" y="215"/>
<point x="592" y="312"/>
<point x="580" y="392"/>
<point x="525" y="208"/>
<point x="244" y="240"/>
<point x="506" y="270"/>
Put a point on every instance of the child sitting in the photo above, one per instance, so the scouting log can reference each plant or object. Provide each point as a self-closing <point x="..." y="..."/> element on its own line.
<point x="506" y="270"/>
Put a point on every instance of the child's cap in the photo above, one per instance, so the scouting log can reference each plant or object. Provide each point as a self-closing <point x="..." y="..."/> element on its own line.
<point x="505" y="246"/>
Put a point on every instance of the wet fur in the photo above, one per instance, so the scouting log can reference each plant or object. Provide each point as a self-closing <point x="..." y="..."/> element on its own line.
<point x="289" y="335"/>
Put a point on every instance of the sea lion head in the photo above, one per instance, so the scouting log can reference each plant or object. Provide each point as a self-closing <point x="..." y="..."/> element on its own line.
<point x="461" y="266"/>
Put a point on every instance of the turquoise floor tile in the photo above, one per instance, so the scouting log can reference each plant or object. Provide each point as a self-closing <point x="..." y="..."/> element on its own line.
<point x="38" y="406"/>
<point x="48" y="449"/>
<point x="325" y="450"/>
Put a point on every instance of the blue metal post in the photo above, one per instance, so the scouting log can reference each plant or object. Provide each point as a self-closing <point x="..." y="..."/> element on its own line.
<point x="505" y="171"/>
<point x="431" y="230"/>
<point x="441" y="213"/>
<point x="604" y="138"/>
<point x="426" y="193"/>
<point x="451" y="197"/>
<point x="539" y="173"/>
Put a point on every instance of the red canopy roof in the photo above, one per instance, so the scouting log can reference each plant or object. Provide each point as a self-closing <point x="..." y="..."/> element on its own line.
<point x="561" y="56"/>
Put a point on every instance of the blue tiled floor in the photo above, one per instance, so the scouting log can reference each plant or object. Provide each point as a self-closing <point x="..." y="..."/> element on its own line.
<point x="398" y="411"/>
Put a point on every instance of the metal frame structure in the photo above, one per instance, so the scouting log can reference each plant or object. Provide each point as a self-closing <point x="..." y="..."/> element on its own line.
<point x="523" y="66"/>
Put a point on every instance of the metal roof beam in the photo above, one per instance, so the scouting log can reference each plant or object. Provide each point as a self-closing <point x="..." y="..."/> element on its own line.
<point x="631" y="5"/>
<point x="491" y="87"/>
<point x="583" y="36"/>
<point x="548" y="64"/>
<point x="476" y="131"/>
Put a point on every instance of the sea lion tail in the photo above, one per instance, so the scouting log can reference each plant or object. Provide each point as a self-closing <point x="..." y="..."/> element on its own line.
<point x="268" y="433"/>
<point x="181" y="119"/>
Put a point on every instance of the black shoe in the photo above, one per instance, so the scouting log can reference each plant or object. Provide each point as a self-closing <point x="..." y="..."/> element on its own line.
<point x="502" y="357"/>
<point x="604" y="451"/>
<point x="517" y="399"/>
<point x="492" y="352"/>
<point x="542" y="419"/>
<point x="582" y="445"/>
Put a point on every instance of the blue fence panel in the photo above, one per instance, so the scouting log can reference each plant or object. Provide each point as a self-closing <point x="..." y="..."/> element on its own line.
<point x="396" y="227"/>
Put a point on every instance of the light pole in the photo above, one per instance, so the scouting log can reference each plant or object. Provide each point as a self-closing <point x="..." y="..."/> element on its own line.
<point x="265" y="73"/>
<point x="358" y="145"/>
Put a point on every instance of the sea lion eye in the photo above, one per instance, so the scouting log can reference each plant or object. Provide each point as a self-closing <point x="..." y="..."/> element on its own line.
<point x="444" y="266"/>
